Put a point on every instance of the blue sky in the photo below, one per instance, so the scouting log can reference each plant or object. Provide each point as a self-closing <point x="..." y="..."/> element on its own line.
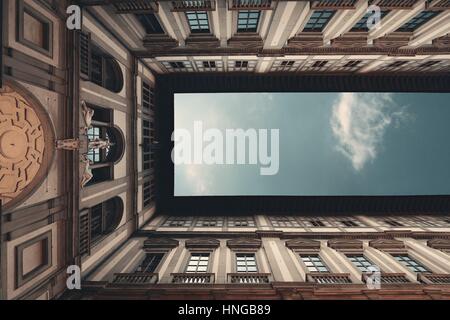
<point x="330" y="143"/>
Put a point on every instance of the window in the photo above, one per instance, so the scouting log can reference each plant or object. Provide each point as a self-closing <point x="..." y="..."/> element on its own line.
<point x="209" y="64"/>
<point x="103" y="160"/>
<point x="309" y="222"/>
<point x="352" y="64"/>
<point x="420" y="19"/>
<point x="241" y="64"/>
<point x="248" y="21"/>
<point x="177" y="65"/>
<point x="241" y="222"/>
<point x="393" y="223"/>
<point x="284" y="221"/>
<point x="320" y="64"/>
<point x="105" y="71"/>
<point x="105" y="218"/>
<point x="286" y="65"/>
<point x="349" y="223"/>
<point x="198" y="263"/>
<point x="147" y="135"/>
<point x="318" y="20"/>
<point x="148" y="194"/>
<point x="246" y="263"/>
<point x="198" y="21"/>
<point x="178" y="222"/>
<point x="148" y="97"/>
<point x="314" y="263"/>
<point x="410" y="263"/>
<point x="150" y="23"/>
<point x="361" y="25"/>
<point x="317" y="223"/>
<point x="397" y="64"/>
<point x="429" y="64"/>
<point x="150" y="263"/>
<point x="361" y="262"/>
<point x="209" y="222"/>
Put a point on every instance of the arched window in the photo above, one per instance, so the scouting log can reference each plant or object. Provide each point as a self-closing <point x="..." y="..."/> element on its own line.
<point x="98" y="66"/>
<point x="103" y="160"/>
<point x="99" y="221"/>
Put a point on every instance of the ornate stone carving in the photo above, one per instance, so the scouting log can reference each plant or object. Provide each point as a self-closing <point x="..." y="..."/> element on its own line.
<point x="201" y="41"/>
<point x="243" y="243"/>
<point x="350" y="41"/>
<point x="160" y="243"/>
<point x="440" y="244"/>
<point x="202" y="243"/>
<point x="392" y="41"/>
<point x="88" y="114"/>
<point x="306" y="40"/>
<point x="159" y="42"/>
<point x="99" y="144"/>
<point x="87" y="172"/>
<point x="68" y="144"/>
<point x="26" y="143"/>
<point x="304" y="244"/>
<point x="345" y="244"/>
<point x="442" y="42"/>
<point x="246" y="41"/>
<point x="386" y="244"/>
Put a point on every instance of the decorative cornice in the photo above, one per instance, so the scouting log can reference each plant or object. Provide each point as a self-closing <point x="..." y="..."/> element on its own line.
<point x="440" y="244"/>
<point x="244" y="243"/>
<point x="343" y="243"/>
<point x="296" y="46"/>
<point x="160" y="243"/>
<point x="305" y="244"/>
<point x="202" y="243"/>
<point x="386" y="244"/>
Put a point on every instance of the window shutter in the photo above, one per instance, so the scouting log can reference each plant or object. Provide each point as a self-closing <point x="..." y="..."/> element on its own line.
<point x="84" y="232"/>
<point x="85" y="55"/>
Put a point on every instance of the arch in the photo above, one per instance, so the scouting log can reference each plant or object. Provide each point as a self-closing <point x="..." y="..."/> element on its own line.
<point x="105" y="218"/>
<point x="105" y="71"/>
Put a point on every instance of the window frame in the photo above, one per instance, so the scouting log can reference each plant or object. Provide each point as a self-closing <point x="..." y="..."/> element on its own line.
<point x="406" y="27"/>
<point x="316" y="266"/>
<point x="316" y="26"/>
<point x="249" y="28"/>
<point x="198" y="20"/>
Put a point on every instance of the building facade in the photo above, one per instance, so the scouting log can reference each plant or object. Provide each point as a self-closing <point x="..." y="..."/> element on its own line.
<point x="85" y="173"/>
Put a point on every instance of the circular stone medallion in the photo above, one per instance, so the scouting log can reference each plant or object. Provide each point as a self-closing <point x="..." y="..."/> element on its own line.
<point x="26" y="144"/>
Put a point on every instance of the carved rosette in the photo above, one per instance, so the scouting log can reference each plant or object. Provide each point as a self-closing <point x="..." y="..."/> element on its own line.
<point x="26" y="144"/>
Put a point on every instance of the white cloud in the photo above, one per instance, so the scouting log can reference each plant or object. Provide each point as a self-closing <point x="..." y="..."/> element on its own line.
<point x="359" y="122"/>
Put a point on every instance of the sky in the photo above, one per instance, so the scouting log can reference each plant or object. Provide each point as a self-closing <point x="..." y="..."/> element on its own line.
<point x="329" y="143"/>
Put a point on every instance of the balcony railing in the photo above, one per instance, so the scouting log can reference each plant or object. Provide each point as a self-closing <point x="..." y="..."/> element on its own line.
<point x="434" y="278"/>
<point x="394" y="4"/>
<point x="329" y="278"/>
<point x="250" y="4"/>
<point x="136" y="6"/>
<point x="249" y="278"/>
<point x="135" y="278"/>
<point x="193" y="278"/>
<point x="333" y="4"/>
<point x="388" y="278"/>
<point x="194" y="5"/>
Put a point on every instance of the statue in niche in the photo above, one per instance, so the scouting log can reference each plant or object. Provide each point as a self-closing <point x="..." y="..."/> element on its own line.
<point x="88" y="114"/>
<point x="100" y="144"/>
<point x="87" y="172"/>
